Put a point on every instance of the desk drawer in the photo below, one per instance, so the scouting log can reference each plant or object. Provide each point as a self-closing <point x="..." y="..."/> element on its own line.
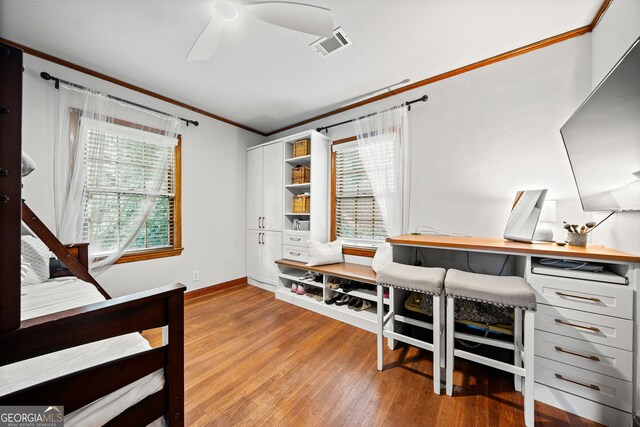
<point x="594" y="297"/>
<point x="295" y="253"/>
<point x="582" y="407"/>
<point x="296" y="238"/>
<point x="590" y="385"/>
<point x="603" y="359"/>
<point x="611" y="331"/>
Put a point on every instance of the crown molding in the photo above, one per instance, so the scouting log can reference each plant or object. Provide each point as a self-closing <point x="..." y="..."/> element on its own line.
<point x="71" y="65"/>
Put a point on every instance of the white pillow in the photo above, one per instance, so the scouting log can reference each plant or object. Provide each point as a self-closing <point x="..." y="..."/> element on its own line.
<point x="24" y="268"/>
<point x="382" y="258"/>
<point x="324" y="253"/>
<point x="36" y="254"/>
<point x="28" y="165"/>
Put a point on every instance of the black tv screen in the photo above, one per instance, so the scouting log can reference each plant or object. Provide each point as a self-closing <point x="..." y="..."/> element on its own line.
<point x="602" y="139"/>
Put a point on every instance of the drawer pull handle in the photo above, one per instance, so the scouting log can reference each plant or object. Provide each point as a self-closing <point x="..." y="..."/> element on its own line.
<point x="591" y="386"/>
<point x="295" y="239"/>
<point x="589" y="328"/>
<point x="295" y="253"/>
<point x="562" y="350"/>
<point x="594" y="299"/>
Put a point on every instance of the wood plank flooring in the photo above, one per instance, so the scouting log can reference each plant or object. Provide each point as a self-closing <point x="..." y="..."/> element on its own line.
<point x="252" y="360"/>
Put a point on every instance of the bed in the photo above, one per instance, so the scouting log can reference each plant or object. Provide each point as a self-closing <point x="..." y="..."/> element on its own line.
<point x="65" y="341"/>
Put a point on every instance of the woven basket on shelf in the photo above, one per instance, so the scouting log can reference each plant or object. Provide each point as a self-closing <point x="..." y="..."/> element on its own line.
<point x="301" y="204"/>
<point x="301" y="148"/>
<point x="300" y="175"/>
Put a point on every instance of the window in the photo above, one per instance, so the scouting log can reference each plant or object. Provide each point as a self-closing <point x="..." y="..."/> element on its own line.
<point x="127" y="159"/>
<point x="357" y="219"/>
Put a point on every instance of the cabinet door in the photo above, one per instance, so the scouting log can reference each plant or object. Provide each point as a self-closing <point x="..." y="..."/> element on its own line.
<point x="272" y="186"/>
<point x="254" y="188"/>
<point x="271" y="251"/>
<point x="254" y="254"/>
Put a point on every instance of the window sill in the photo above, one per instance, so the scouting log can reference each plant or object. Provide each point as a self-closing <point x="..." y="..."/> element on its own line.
<point x="368" y="252"/>
<point x="150" y="254"/>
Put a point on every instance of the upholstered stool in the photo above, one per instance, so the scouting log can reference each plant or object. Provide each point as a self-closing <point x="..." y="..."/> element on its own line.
<point x="506" y="291"/>
<point x="423" y="280"/>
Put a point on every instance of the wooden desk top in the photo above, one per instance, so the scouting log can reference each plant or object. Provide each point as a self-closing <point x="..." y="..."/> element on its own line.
<point x="594" y="252"/>
<point x="361" y="273"/>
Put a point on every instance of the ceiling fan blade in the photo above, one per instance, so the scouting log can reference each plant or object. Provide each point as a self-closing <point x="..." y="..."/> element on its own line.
<point x="305" y="18"/>
<point x="207" y="42"/>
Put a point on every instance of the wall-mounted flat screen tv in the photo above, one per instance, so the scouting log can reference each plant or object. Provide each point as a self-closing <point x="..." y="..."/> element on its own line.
<point x="602" y="139"/>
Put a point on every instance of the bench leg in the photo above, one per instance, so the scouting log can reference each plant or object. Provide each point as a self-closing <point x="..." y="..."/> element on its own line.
<point x="450" y="327"/>
<point x="437" y="331"/>
<point x="443" y="353"/>
<point x="517" y="341"/>
<point x="380" y="314"/>
<point x="529" y="399"/>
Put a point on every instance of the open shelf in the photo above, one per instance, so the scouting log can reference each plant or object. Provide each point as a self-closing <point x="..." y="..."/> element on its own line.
<point x="305" y="186"/>
<point x="362" y="293"/>
<point x="304" y="282"/>
<point x="369" y="314"/>
<point x="297" y="214"/>
<point x="302" y="160"/>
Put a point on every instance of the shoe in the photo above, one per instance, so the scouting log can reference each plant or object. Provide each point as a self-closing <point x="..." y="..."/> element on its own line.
<point x="355" y="303"/>
<point x="294" y="287"/>
<point x="301" y="290"/>
<point x="365" y="305"/>
<point x="344" y="299"/>
<point x="333" y="298"/>
<point x="334" y="285"/>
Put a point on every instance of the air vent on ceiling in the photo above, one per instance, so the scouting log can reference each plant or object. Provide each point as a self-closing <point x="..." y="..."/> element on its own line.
<point x="328" y="45"/>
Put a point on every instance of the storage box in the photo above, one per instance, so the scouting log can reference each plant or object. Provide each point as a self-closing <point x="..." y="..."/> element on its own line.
<point x="301" y="148"/>
<point x="301" y="204"/>
<point x="300" y="175"/>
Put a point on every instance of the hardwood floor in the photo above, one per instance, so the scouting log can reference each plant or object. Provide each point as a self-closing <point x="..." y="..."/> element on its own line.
<point x="253" y="360"/>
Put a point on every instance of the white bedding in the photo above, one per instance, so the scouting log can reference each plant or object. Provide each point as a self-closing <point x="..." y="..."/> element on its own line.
<point x="62" y="294"/>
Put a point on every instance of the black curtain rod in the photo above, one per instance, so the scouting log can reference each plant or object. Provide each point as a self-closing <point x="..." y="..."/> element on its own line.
<point x="48" y="76"/>
<point x="423" y="98"/>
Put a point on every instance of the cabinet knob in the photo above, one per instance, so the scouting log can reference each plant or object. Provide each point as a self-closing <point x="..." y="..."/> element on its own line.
<point x="4" y="172"/>
<point x="4" y="110"/>
<point x="4" y="198"/>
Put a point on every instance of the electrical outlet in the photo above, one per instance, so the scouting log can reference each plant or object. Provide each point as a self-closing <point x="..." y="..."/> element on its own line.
<point x="196" y="275"/>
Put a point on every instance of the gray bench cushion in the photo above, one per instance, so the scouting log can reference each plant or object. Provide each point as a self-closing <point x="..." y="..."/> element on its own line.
<point x="425" y="280"/>
<point x="510" y="291"/>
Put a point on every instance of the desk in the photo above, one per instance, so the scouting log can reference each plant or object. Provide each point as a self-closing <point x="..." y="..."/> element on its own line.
<point x="586" y="339"/>
<point x="480" y="244"/>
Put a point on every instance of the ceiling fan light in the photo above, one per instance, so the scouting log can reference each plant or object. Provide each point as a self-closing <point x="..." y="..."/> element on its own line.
<point x="225" y="10"/>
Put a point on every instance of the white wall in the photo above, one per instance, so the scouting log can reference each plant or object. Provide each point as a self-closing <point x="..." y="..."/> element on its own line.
<point x="487" y="133"/>
<point x="616" y="32"/>
<point x="213" y="186"/>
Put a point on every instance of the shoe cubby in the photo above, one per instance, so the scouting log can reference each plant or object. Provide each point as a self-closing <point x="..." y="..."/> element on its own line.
<point x="322" y="288"/>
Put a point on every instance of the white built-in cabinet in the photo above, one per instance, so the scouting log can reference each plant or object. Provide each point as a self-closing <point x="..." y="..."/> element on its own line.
<point x="264" y="187"/>
<point x="264" y="212"/>
<point x="270" y="192"/>
<point x="319" y="161"/>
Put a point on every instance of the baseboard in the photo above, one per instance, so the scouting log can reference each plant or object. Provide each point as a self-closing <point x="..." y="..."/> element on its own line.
<point x="265" y="286"/>
<point x="214" y="288"/>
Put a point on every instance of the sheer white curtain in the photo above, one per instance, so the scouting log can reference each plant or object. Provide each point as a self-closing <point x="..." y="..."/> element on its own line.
<point x="93" y="131"/>
<point x="383" y="142"/>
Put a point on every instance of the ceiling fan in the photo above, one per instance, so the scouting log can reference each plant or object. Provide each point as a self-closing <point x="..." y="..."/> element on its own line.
<point x="301" y="17"/>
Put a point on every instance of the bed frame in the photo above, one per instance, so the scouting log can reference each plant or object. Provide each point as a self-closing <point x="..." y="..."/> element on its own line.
<point x="156" y="308"/>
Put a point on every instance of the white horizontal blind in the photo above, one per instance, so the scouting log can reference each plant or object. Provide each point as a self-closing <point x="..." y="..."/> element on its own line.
<point x="357" y="216"/>
<point x="121" y="172"/>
